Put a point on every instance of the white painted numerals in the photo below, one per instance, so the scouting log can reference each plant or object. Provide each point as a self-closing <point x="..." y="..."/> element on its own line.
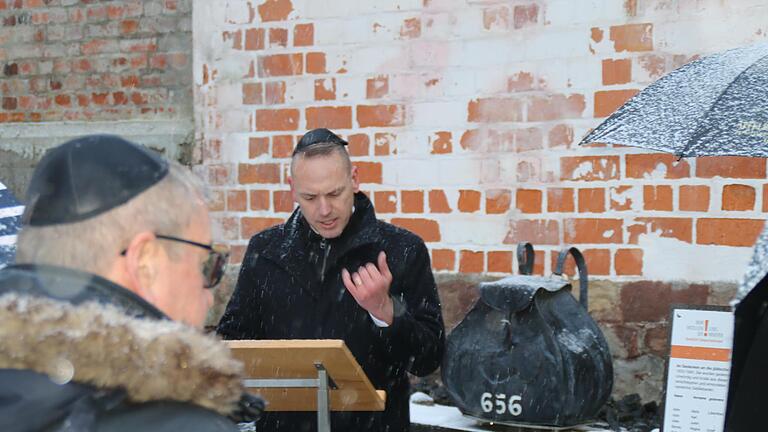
<point x="500" y="405"/>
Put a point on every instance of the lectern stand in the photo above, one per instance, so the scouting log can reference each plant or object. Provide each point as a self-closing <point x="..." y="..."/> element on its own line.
<point x="307" y="375"/>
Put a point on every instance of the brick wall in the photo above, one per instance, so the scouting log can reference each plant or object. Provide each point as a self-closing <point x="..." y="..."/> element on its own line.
<point x="69" y="67"/>
<point x="463" y="119"/>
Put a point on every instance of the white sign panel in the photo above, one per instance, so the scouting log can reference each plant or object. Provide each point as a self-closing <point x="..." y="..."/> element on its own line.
<point x="698" y="370"/>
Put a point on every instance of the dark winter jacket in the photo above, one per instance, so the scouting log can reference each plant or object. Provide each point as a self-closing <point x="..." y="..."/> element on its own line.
<point x="749" y="357"/>
<point x="290" y="287"/>
<point x="79" y="353"/>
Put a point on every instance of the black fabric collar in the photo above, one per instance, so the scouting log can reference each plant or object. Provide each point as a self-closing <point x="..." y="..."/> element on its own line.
<point x="289" y="249"/>
<point x="74" y="287"/>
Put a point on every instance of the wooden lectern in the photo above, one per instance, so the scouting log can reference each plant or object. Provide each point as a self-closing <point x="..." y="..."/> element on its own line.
<point x="307" y="375"/>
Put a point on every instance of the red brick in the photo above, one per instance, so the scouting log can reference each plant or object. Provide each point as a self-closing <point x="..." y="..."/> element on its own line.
<point x="254" y="225"/>
<point x="277" y="120"/>
<point x="497" y="201"/>
<point x="62" y="100"/>
<point x="443" y="259"/>
<point x="412" y="201"/>
<point x="128" y="26"/>
<point x="500" y="262"/>
<point x="765" y="198"/>
<point x="252" y="94"/>
<point x="237" y="200"/>
<point x="278" y="37"/>
<point x="728" y="232"/>
<point x="555" y="107"/>
<point x="358" y="144"/>
<point x="471" y="261"/>
<point x="325" y="89"/>
<point x="438" y="203"/>
<point x="383" y="143"/>
<point x="236" y="254"/>
<point x="738" y="197"/>
<point x="368" y="172"/>
<point x="522" y="81"/>
<point x="632" y="37"/>
<point x="441" y="143"/>
<point x="669" y="227"/>
<point x="534" y="231"/>
<point x="377" y="87"/>
<point x="656" y="340"/>
<point x="10" y="103"/>
<point x="254" y="39"/>
<point x="650" y="165"/>
<point x="598" y="261"/>
<point x="620" y="198"/>
<point x="274" y="93"/>
<point x="560" y="200"/>
<point x="493" y="110"/>
<point x="380" y="115"/>
<point x="257" y="146"/>
<point x="283" y="201"/>
<point x="217" y="202"/>
<point x="528" y="139"/>
<point x="275" y="10"/>
<point x="329" y="117"/>
<point x="608" y="101"/>
<point x="597" y="231"/>
<point x="589" y="168"/>
<point x="282" y="146"/>
<point x="411" y="28"/>
<point x="592" y="200"/>
<point x="304" y="35"/>
<point x="525" y="15"/>
<point x="316" y="63"/>
<point x="259" y="200"/>
<point x="529" y="200"/>
<point x="259" y="173"/>
<point x="496" y="17"/>
<point x="218" y="175"/>
<point x="385" y="201"/>
<point x="628" y="262"/>
<point x="657" y="198"/>
<point x="469" y="201"/>
<point x="617" y="71"/>
<point x="694" y="198"/>
<point x="281" y="65"/>
<point x="730" y="167"/>
<point x="427" y="229"/>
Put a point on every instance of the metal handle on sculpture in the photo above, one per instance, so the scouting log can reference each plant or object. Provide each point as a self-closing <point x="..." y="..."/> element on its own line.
<point x="525" y="258"/>
<point x="582" y="268"/>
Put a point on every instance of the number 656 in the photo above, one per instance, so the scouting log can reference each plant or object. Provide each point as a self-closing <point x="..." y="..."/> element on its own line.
<point x="488" y="401"/>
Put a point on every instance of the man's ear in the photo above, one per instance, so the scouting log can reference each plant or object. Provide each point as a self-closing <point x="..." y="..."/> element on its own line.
<point x="289" y="179"/>
<point x="355" y="180"/>
<point x="141" y="257"/>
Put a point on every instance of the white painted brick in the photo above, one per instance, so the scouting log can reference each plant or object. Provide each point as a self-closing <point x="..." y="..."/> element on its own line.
<point x="350" y="88"/>
<point x="300" y="90"/>
<point x="469" y="24"/>
<point x="453" y="82"/>
<point x="235" y="12"/>
<point x="486" y="230"/>
<point x="559" y="45"/>
<point x="459" y="172"/>
<point x="432" y="54"/>
<point x="375" y="59"/>
<point x="413" y="144"/>
<point x="234" y="147"/>
<point x="438" y="26"/>
<point x="414" y="172"/>
<point x="439" y="115"/>
<point x="485" y="52"/>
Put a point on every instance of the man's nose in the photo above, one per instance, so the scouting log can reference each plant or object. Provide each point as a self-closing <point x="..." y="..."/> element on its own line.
<point x="325" y="206"/>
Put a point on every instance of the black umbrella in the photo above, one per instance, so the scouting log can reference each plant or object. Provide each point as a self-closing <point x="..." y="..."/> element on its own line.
<point x="714" y="106"/>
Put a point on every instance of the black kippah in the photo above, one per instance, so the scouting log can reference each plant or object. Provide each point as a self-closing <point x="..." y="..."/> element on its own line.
<point x="317" y="136"/>
<point x="88" y="176"/>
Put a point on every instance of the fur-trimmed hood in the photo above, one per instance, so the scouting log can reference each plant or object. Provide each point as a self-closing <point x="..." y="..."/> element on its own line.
<point x="100" y="345"/>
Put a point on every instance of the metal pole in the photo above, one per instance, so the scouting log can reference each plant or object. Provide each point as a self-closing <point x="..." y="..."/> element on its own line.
<point x="323" y="406"/>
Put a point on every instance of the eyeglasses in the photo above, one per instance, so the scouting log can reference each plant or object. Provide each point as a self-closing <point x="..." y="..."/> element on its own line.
<point x="215" y="264"/>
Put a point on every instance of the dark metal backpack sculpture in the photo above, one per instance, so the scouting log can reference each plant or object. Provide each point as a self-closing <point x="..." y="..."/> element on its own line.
<point x="528" y="352"/>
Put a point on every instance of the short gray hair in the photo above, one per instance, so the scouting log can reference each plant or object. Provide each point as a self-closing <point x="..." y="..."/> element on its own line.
<point x="92" y="245"/>
<point x="322" y="149"/>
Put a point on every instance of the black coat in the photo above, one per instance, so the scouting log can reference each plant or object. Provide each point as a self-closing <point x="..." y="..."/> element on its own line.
<point x="119" y="347"/>
<point x="290" y="287"/>
<point x="749" y="357"/>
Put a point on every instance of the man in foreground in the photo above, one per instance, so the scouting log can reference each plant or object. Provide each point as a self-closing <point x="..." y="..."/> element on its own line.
<point x="115" y="244"/>
<point x="333" y="271"/>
